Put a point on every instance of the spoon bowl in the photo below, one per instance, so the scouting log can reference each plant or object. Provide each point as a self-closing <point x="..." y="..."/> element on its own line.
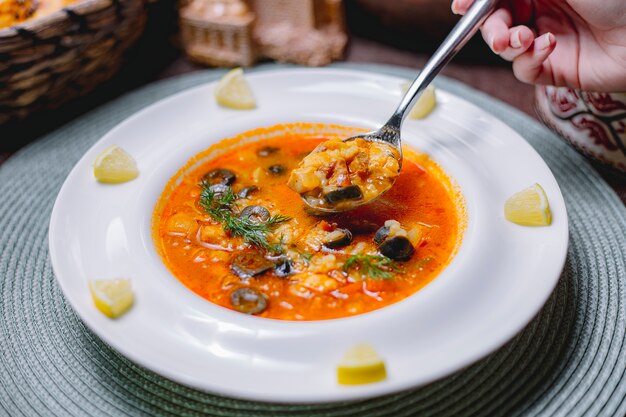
<point x="387" y="135"/>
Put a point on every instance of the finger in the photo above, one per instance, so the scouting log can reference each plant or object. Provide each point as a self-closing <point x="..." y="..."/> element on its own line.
<point x="461" y="6"/>
<point x="523" y="10"/>
<point x="520" y="39"/>
<point x="495" y="30"/>
<point x="533" y="67"/>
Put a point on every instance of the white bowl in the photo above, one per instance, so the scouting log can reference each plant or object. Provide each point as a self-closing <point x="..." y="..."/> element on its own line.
<point x="500" y="278"/>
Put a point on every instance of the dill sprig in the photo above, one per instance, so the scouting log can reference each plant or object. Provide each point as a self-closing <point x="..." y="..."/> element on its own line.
<point x="422" y="262"/>
<point x="219" y="207"/>
<point x="278" y="248"/>
<point x="304" y="255"/>
<point x="372" y="266"/>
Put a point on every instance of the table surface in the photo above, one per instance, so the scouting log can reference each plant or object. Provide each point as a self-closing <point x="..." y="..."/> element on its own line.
<point x="490" y="76"/>
<point x="152" y="61"/>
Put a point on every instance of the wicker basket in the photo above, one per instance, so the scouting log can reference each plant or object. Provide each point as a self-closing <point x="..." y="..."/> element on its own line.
<point x="46" y="61"/>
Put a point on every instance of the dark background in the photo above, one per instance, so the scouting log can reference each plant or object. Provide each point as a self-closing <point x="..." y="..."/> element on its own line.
<point x="375" y="38"/>
<point x="394" y="33"/>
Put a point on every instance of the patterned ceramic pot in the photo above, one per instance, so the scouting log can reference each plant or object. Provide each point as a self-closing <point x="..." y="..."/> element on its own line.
<point x="595" y="123"/>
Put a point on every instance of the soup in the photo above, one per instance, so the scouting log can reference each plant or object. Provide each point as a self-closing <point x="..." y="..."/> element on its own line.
<point x="230" y="229"/>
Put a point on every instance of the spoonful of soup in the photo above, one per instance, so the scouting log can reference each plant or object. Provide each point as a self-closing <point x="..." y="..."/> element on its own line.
<point x="340" y="175"/>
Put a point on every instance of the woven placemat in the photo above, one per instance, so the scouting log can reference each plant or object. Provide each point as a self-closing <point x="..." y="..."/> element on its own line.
<point x="570" y="361"/>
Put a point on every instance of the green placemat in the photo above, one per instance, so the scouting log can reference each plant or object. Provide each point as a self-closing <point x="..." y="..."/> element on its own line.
<point x="570" y="361"/>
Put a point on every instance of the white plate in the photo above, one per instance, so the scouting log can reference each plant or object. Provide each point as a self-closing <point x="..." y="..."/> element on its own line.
<point x="499" y="280"/>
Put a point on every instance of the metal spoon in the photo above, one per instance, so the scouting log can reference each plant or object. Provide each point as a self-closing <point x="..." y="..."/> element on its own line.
<point x="390" y="132"/>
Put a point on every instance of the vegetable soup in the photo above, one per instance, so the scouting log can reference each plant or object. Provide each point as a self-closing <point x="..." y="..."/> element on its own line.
<point x="230" y="229"/>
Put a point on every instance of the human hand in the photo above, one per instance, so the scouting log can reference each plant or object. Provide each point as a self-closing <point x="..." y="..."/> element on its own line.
<point x="575" y="43"/>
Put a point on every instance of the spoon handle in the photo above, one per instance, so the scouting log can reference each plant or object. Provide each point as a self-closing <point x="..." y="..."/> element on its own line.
<point x="458" y="37"/>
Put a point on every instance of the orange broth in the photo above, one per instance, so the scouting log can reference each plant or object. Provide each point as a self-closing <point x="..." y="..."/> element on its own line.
<point x="423" y="197"/>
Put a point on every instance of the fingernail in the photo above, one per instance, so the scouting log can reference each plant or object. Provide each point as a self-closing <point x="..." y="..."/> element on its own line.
<point x="455" y="10"/>
<point x="516" y="41"/>
<point x="545" y="41"/>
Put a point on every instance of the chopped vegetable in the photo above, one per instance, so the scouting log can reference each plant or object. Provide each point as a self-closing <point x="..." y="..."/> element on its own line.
<point x="114" y="166"/>
<point x="181" y="224"/>
<point x="361" y="365"/>
<point x="113" y="297"/>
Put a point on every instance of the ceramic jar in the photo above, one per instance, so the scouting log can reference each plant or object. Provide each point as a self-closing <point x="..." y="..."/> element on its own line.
<point x="595" y="123"/>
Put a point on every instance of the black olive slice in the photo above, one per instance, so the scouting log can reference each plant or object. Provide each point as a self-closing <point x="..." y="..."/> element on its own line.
<point x="245" y="192"/>
<point x="351" y="192"/>
<point x="381" y="235"/>
<point x="256" y="214"/>
<point x="338" y="238"/>
<point x="283" y="268"/>
<point x="248" y="300"/>
<point x="360" y="226"/>
<point x="267" y="150"/>
<point x="220" y="176"/>
<point x="250" y="264"/>
<point x="219" y="189"/>
<point x="398" y="248"/>
<point x="277" y="169"/>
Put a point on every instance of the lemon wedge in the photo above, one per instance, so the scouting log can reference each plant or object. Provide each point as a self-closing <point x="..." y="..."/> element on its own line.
<point x="529" y="207"/>
<point x="233" y="91"/>
<point x="114" y="166"/>
<point x="113" y="297"/>
<point x="425" y="103"/>
<point x="361" y="365"/>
